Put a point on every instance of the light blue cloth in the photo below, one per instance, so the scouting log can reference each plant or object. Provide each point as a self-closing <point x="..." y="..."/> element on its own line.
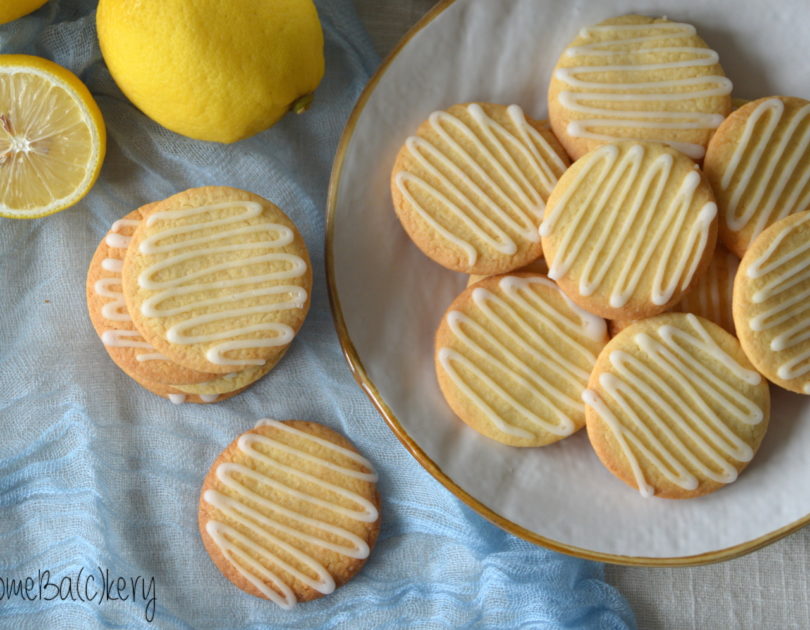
<point x="94" y="472"/>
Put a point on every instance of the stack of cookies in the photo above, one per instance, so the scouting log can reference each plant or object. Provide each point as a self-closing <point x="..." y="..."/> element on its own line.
<point x="640" y="238"/>
<point x="198" y="296"/>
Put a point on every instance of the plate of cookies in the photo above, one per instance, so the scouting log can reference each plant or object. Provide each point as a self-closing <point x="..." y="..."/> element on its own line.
<point x="568" y="248"/>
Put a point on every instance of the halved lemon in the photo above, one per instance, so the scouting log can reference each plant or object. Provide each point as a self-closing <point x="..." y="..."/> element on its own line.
<point x="13" y="9"/>
<point x="52" y="137"/>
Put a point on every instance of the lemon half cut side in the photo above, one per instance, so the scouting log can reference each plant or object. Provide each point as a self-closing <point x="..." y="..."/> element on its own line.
<point x="52" y="137"/>
<point x="10" y="10"/>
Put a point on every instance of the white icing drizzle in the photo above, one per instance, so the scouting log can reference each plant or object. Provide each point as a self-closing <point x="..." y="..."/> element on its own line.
<point x="559" y="355"/>
<point x="514" y="206"/>
<point x="209" y="398"/>
<point x="212" y="257"/>
<point x="786" y="320"/>
<point x="642" y="402"/>
<point x="259" y="515"/>
<point x="782" y="168"/>
<point x="116" y="240"/>
<point x="177" y="399"/>
<point x="116" y="308"/>
<point x="131" y="339"/>
<point x="641" y="83"/>
<point x="115" y="265"/>
<point x="598" y="235"/>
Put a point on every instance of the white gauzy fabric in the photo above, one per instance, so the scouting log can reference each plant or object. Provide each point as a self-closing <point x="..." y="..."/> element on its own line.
<point x="99" y="478"/>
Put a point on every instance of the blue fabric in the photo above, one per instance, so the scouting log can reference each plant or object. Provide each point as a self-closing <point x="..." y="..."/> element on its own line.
<point x="97" y="475"/>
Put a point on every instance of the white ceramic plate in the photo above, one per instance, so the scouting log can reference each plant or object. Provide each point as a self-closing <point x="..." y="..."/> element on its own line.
<point x="388" y="298"/>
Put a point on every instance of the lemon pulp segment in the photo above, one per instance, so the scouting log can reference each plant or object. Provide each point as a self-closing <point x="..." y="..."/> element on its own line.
<point x="50" y="146"/>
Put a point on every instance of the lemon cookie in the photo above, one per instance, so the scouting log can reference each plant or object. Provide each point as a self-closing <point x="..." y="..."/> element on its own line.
<point x="234" y="380"/>
<point x="289" y="511"/>
<point x="772" y="303"/>
<point x="710" y="297"/>
<point x="628" y="228"/>
<point x="111" y="319"/>
<point x="218" y="279"/>
<point x="674" y="407"/>
<point x="638" y="78"/>
<point x="513" y="356"/>
<point x="178" y="397"/>
<point x="470" y="186"/>
<point x="538" y="266"/>
<point x="758" y="163"/>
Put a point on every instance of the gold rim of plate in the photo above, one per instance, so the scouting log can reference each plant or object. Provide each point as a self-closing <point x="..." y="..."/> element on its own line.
<point x="370" y="389"/>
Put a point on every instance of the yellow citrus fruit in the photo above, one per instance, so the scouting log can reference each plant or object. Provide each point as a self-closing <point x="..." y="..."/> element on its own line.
<point x="52" y="137"/>
<point x="209" y="69"/>
<point x="13" y="9"/>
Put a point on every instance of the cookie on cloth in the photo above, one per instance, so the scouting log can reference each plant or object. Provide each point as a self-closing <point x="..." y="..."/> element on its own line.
<point x="470" y="187"/>
<point x="758" y="163"/>
<point x="674" y="407"/>
<point x="218" y="279"/>
<point x="178" y="397"/>
<point x="772" y="303"/>
<point x="513" y="356"/>
<point x="224" y="383"/>
<point x="628" y="229"/>
<point x="537" y="266"/>
<point x="111" y="319"/>
<point x="638" y="78"/>
<point x="289" y="511"/>
<point x="710" y="297"/>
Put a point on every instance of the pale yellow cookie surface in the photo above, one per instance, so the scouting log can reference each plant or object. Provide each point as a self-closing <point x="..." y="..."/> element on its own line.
<point x="513" y="355"/>
<point x="638" y="78"/>
<point x="628" y="229"/>
<point x="674" y="407"/>
<point x="710" y="297"/>
<point x="758" y="163"/>
<point x="110" y="316"/>
<point x="289" y="511"/>
<point x="772" y="303"/>
<point x="218" y="279"/>
<point x="470" y="186"/>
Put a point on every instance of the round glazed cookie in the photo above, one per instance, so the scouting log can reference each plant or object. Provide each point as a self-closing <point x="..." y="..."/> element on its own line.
<point x="470" y="187"/>
<point x="218" y="279"/>
<point x="771" y="305"/>
<point x="538" y="266"/>
<point x="628" y="228"/>
<point x="710" y="297"/>
<point x="179" y="397"/>
<point x="674" y="407"/>
<point x="513" y="356"/>
<point x="638" y="78"/>
<point x="289" y="511"/>
<point x="758" y="163"/>
<point x="235" y="380"/>
<point x="111" y="319"/>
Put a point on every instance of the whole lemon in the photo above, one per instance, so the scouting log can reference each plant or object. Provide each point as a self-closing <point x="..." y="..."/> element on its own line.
<point x="209" y="69"/>
<point x="13" y="9"/>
